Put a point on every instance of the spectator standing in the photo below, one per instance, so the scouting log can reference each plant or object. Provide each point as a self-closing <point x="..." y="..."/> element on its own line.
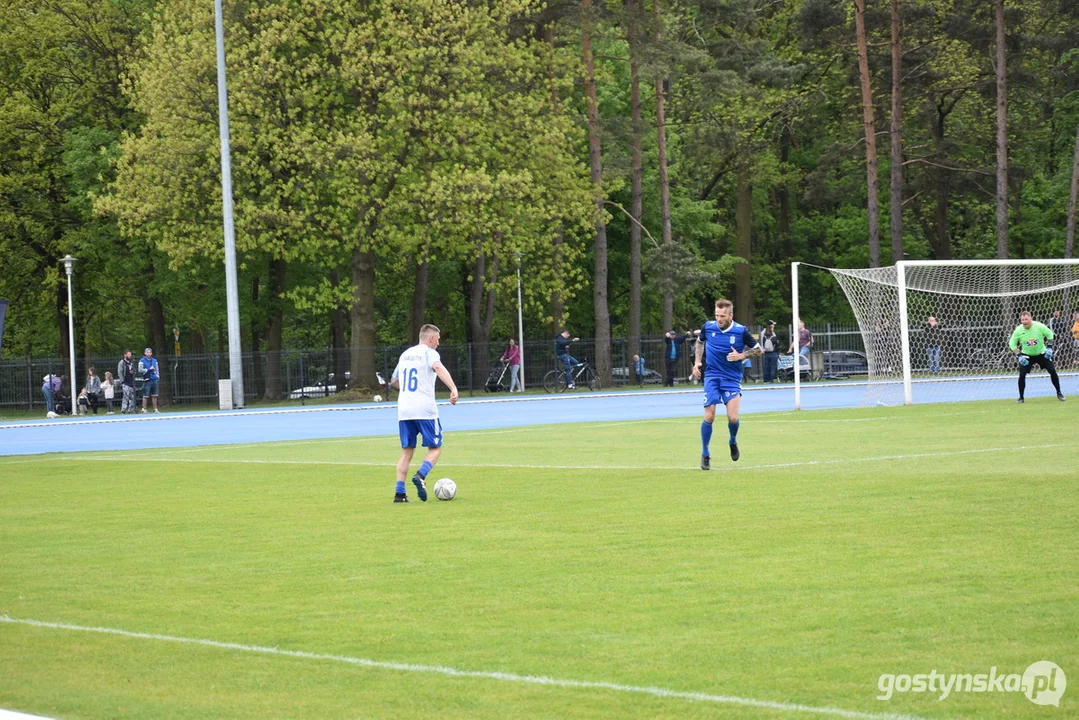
<point x="770" y="343"/>
<point x="149" y="369"/>
<point x="513" y="357"/>
<point x="1075" y="337"/>
<point x="125" y="372"/>
<point x="638" y="368"/>
<point x="50" y="386"/>
<point x="932" y="344"/>
<point x="108" y="390"/>
<point x="804" y="341"/>
<point x="672" y="353"/>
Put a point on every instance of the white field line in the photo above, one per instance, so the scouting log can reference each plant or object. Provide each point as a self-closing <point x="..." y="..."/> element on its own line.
<point x="12" y="715"/>
<point x="478" y="674"/>
<point x="528" y="466"/>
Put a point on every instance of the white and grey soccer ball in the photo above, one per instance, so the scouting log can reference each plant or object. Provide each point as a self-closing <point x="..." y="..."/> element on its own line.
<point x="445" y="489"/>
<point x="377" y="398"/>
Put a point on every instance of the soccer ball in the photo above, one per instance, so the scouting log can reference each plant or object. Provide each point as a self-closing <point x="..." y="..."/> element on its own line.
<point x="377" y="398"/>
<point x="445" y="489"/>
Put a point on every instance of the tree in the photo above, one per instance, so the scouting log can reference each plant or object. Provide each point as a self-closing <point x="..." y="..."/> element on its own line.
<point x="595" y="157"/>
<point x="1002" y="132"/>
<point x="870" y="126"/>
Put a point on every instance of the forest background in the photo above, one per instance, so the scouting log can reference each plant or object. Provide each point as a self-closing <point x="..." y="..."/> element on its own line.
<point x="395" y="163"/>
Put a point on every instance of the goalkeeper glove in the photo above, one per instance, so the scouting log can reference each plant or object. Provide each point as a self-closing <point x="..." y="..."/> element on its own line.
<point x="1023" y="360"/>
<point x="1048" y="354"/>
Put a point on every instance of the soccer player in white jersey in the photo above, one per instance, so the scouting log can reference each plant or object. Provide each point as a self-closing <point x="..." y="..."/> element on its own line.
<point x="417" y="413"/>
<point x="721" y="347"/>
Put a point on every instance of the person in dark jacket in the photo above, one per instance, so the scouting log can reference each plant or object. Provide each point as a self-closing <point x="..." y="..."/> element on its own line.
<point x="672" y="353"/>
<point x="562" y="341"/>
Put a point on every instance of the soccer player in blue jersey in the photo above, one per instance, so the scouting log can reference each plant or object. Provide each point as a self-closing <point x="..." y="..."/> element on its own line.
<point x="721" y="347"/>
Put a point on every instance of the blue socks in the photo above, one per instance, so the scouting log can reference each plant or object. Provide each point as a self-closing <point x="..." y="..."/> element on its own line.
<point x="424" y="469"/>
<point x="706" y="436"/>
<point x="733" y="428"/>
<point x="400" y="487"/>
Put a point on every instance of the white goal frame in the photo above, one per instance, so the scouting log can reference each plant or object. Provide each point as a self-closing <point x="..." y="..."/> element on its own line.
<point x="901" y="287"/>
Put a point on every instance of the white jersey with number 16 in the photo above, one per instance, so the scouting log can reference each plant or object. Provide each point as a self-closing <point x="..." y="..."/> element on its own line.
<point x="415" y="374"/>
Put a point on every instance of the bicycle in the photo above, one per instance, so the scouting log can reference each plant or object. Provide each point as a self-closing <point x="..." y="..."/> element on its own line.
<point x="583" y="374"/>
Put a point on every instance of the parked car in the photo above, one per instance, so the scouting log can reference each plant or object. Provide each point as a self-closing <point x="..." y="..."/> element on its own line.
<point x="843" y="363"/>
<point x="327" y="387"/>
<point x="785" y="369"/>
<point x="619" y="376"/>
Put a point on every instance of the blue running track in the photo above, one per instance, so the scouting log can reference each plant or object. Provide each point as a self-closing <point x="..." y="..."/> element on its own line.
<point x="178" y="429"/>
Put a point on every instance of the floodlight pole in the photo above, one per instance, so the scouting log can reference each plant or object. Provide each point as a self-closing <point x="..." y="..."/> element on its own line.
<point x="232" y="298"/>
<point x="797" y="360"/>
<point x="69" y="263"/>
<point x="520" y="328"/>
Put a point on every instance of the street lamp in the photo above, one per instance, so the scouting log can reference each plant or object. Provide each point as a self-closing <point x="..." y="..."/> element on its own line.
<point x="232" y="297"/>
<point x="520" y="326"/>
<point x="69" y="263"/>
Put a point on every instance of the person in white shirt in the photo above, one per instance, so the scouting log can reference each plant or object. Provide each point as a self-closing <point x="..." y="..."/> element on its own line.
<point x="417" y="412"/>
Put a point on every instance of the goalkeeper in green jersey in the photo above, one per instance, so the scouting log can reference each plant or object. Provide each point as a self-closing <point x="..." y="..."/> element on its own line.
<point x="1030" y="343"/>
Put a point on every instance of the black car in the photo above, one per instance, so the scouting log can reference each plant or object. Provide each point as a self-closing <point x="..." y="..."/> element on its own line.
<point x="843" y="363"/>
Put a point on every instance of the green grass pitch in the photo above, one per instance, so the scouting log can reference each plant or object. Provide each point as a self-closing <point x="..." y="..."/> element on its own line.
<point x="843" y="545"/>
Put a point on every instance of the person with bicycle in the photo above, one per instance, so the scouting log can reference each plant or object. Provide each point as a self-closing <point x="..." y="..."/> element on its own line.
<point x="562" y="341"/>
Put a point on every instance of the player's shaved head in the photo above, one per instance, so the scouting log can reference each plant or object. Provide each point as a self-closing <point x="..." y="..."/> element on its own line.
<point x="427" y="331"/>
<point x="1024" y="314"/>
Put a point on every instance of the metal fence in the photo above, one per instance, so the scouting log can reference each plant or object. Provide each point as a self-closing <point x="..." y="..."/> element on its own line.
<point x="307" y="374"/>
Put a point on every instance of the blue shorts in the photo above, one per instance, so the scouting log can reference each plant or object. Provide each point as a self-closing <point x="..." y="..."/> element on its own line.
<point x="149" y="388"/>
<point x="717" y="391"/>
<point x="430" y="429"/>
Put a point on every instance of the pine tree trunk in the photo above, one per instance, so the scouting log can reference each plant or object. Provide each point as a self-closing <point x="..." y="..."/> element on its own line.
<point x="661" y="166"/>
<point x="599" y="278"/>
<point x="896" y="133"/>
<point x="274" y="335"/>
<point x="743" y="281"/>
<point x="784" y="196"/>
<point x="363" y="320"/>
<point x="337" y="337"/>
<point x="481" y="313"/>
<point x="1002" y="136"/>
<point x="419" y="301"/>
<point x="155" y="312"/>
<point x="870" y="128"/>
<point x="941" y="237"/>
<point x="1069" y="243"/>
<point x="256" y="345"/>
<point x="636" y="193"/>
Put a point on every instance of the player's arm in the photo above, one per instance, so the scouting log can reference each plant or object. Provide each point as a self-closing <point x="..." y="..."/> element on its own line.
<point x="394" y="382"/>
<point x="447" y="380"/>
<point x="1013" y="343"/>
<point x="753" y="348"/>
<point x="698" y="355"/>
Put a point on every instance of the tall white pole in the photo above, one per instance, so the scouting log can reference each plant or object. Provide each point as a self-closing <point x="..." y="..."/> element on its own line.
<point x="69" y="262"/>
<point x="794" y="339"/>
<point x="236" y="367"/>
<point x="904" y="329"/>
<point x="520" y="327"/>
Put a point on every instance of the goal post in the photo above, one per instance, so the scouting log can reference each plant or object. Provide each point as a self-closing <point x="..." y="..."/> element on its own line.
<point x="940" y="328"/>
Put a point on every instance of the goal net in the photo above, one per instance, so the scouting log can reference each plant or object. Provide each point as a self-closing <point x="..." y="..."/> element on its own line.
<point x="939" y="331"/>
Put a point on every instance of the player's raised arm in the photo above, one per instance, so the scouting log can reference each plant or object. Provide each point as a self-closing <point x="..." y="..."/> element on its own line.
<point x="698" y="355"/>
<point x="447" y="380"/>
